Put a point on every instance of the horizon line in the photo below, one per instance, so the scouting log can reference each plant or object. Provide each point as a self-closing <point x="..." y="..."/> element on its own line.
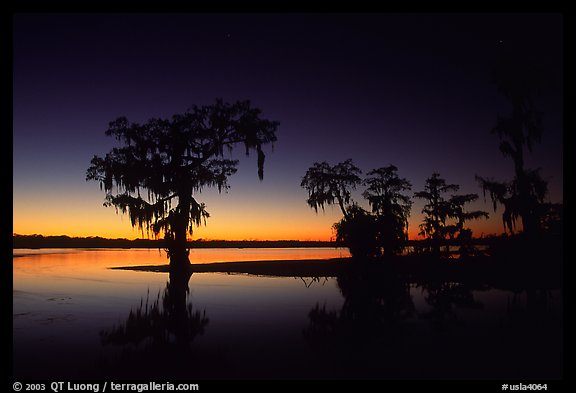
<point x="419" y="238"/>
<point x="160" y="239"/>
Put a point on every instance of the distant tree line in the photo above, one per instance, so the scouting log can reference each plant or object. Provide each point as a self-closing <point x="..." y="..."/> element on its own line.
<point x="63" y="241"/>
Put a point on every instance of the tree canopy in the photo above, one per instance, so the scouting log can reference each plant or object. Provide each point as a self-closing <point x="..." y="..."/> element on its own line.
<point x="437" y="208"/>
<point x="365" y="234"/>
<point x="445" y="216"/>
<point x="385" y="194"/>
<point x="520" y="82"/>
<point x="328" y="184"/>
<point x="163" y="164"/>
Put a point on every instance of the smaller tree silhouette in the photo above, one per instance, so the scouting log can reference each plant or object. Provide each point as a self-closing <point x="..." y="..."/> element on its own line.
<point x="439" y="210"/>
<point x="358" y="231"/>
<point x="522" y="197"/>
<point x="390" y="205"/>
<point x="436" y="211"/>
<point x="328" y="185"/>
<point x="365" y="234"/>
<point x="461" y="215"/>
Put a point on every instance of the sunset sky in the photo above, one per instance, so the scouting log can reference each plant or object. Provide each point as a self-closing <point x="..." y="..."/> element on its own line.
<point x="405" y="89"/>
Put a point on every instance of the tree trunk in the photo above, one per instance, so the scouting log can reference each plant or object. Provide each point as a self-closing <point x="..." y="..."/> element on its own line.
<point x="526" y="208"/>
<point x="342" y="208"/>
<point x="179" y="261"/>
<point x="178" y="246"/>
<point x="179" y="255"/>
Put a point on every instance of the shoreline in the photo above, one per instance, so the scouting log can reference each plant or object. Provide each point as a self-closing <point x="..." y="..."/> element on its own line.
<point x="277" y="268"/>
<point x="64" y="241"/>
<point x="478" y="272"/>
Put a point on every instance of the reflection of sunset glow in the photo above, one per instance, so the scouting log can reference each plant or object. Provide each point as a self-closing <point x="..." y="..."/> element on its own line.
<point x="264" y="254"/>
<point x="83" y="261"/>
<point x="88" y="271"/>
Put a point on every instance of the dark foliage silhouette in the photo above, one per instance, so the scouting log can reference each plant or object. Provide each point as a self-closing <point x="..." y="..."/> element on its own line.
<point x="522" y="197"/>
<point x="63" y="241"/>
<point x="328" y="185"/>
<point x="444" y="217"/>
<point x="436" y="211"/>
<point x="457" y="231"/>
<point x="358" y="231"/>
<point x="164" y="163"/>
<point x="366" y="235"/>
<point x="392" y="208"/>
<point x="520" y="82"/>
<point x="551" y="220"/>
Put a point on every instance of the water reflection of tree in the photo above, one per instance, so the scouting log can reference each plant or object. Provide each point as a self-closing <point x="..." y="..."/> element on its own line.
<point x="363" y="338"/>
<point x="532" y="328"/>
<point x="529" y="306"/>
<point x="308" y="281"/>
<point x="374" y="306"/>
<point x="157" y="336"/>
<point x="444" y="298"/>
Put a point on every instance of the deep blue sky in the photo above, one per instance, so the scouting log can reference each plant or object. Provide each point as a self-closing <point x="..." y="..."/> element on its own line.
<point x="404" y="89"/>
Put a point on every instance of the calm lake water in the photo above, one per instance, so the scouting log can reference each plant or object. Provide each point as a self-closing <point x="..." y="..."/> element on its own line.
<point x="73" y="317"/>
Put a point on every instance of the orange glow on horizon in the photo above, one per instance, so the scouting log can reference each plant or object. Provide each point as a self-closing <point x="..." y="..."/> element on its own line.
<point x="320" y="230"/>
<point x="264" y="219"/>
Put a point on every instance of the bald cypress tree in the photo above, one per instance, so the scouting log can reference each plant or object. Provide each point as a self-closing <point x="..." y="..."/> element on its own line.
<point x="329" y="185"/>
<point x="445" y="215"/>
<point x="519" y="81"/>
<point x="386" y="195"/>
<point x="164" y="164"/>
